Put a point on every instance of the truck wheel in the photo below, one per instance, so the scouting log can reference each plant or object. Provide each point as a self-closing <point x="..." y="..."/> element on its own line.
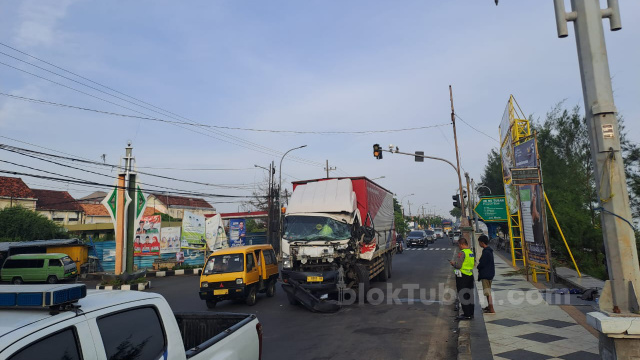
<point x="390" y="259"/>
<point x="52" y="279"/>
<point x="384" y="274"/>
<point x="251" y="297"/>
<point x="17" y="280"/>
<point x="362" y="274"/>
<point x="211" y="304"/>
<point x="271" y="288"/>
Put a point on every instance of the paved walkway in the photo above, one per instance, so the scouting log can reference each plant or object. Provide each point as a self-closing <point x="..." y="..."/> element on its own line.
<point x="523" y="330"/>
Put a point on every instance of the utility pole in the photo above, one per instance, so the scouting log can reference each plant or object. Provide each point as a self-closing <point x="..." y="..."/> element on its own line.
<point x="455" y="139"/>
<point x="620" y="293"/>
<point x="327" y="168"/>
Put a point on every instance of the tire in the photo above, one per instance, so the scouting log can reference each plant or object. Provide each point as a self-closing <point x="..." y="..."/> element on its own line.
<point x="271" y="288"/>
<point x="52" y="279"/>
<point x="384" y="274"/>
<point x="390" y="259"/>
<point x="211" y="304"/>
<point x="251" y="296"/>
<point x="362" y="274"/>
<point x="17" y="281"/>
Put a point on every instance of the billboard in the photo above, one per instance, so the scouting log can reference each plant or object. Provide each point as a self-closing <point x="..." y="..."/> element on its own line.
<point x="169" y="239"/>
<point x="237" y="232"/>
<point x="147" y="239"/>
<point x="534" y="223"/>
<point x="193" y="232"/>
<point x="215" y="235"/>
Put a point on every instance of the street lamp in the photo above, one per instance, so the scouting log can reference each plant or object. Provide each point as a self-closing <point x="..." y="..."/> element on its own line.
<point x="280" y="187"/>
<point x="379" y="177"/>
<point x="402" y="202"/>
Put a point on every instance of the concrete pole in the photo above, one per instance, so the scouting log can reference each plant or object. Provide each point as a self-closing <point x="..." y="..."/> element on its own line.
<point x="620" y="294"/>
<point x="279" y="194"/>
<point x="463" y="221"/>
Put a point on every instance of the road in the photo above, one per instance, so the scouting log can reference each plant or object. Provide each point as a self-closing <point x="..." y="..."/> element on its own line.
<point x="422" y="330"/>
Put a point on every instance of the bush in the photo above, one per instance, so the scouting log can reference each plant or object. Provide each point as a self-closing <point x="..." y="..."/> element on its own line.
<point x="20" y="224"/>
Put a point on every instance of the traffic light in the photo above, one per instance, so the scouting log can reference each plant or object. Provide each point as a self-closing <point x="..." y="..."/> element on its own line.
<point x="377" y="151"/>
<point x="456" y="200"/>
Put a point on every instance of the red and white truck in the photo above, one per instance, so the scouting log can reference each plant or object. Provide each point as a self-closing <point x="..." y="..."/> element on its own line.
<point x="337" y="231"/>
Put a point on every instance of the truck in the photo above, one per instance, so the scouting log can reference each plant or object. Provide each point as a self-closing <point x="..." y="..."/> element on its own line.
<point x="69" y="322"/>
<point x="337" y="234"/>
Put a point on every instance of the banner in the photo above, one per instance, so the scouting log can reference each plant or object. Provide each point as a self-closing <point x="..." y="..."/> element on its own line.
<point x="237" y="232"/>
<point x="534" y="223"/>
<point x="169" y="240"/>
<point x="193" y="236"/>
<point x="215" y="235"/>
<point x="525" y="154"/>
<point x="147" y="238"/>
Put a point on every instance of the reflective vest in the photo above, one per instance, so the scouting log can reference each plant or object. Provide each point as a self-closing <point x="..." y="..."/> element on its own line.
<point x="469" y="261"/>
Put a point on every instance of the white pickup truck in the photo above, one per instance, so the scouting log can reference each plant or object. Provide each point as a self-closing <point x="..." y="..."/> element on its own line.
<point x="67" y="322"/>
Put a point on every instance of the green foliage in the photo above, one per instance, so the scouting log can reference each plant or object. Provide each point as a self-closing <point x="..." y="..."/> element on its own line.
<point x="456" y="212"/>
<point x="402" y="227"/>
<point x="255" y="226"/>
<point x="167" y="217"/>
<point x="20" y="224"/>
<point x="492" y="176"/>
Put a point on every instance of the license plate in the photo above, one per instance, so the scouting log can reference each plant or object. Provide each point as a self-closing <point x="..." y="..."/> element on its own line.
<point x="315" y="278"/>
<point x="221" y="292"/>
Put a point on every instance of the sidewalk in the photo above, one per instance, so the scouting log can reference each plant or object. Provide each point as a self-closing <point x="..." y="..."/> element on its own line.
<point x="524" y="330"/>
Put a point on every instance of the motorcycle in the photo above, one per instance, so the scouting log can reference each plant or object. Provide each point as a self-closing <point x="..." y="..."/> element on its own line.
<point x="399" y="246"/>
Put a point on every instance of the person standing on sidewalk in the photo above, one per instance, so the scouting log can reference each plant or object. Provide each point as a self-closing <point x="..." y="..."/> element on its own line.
<point x="463" y="266"/>
<point x="486" y="271"/>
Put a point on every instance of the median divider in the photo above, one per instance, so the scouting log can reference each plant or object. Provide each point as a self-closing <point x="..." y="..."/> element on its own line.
<point x="174" y="272"/>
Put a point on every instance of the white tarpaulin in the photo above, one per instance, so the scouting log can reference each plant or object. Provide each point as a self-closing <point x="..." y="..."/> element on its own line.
<point x="330" y="196"/>
<point x="215" y="235"/>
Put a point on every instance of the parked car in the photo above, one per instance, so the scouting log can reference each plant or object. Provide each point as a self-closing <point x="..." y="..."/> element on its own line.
<point x="431" y="236"/>
<point x="439" y="233"/>
<point x="51" y="268"/>
<point x="69" y="322"/>
<point x="417" y="238"/>
<point x="239" y="273"/>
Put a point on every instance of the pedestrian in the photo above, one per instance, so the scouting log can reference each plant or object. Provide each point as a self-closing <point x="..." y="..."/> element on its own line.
<point x="463" y="268"/>
<point x="486" y="272"/>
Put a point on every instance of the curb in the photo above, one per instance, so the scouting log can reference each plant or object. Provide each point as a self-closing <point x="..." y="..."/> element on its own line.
<point x="464" y="340"/>
<point x="134" y="287"/>
<point x="174" y="272"/>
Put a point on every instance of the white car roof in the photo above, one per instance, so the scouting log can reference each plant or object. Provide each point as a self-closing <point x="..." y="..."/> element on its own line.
<point x="12" y="319"/>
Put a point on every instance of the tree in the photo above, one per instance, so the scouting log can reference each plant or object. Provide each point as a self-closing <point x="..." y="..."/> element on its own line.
<point x="456" y="212"/>
<point x="492" y="176"/>
<point x="20" y="224"/>
<point x="402" y="227"/>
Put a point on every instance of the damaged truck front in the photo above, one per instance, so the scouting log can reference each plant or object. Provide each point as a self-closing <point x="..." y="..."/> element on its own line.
<point x="338" y="234"/>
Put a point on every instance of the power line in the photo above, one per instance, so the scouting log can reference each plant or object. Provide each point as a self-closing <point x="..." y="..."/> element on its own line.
<point x="481" y="132"/>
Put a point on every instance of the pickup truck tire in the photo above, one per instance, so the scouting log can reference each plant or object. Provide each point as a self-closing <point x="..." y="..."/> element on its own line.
<point x="390" y="263"/>
<point x="52" y="279"/>
<point x="211" y="304"/>
<point x="271" y="288"/>
<point x="17" y="280"/>
<point x="251" y="296"/>
<point x="362" y="274"/>
<point x="384" y="274"/>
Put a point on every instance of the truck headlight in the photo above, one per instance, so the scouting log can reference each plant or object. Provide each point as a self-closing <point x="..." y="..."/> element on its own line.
<point x="239" y="281"/>
<point x="204" y="284"/>
<point x="286" y="263"/>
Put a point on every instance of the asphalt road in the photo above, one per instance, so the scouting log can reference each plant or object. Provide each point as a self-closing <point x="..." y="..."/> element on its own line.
<point x="394" y="329"/>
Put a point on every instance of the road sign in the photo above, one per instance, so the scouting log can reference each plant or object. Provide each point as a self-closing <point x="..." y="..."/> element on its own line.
<point x="492" y="209"/>
<point x="525" y="176"/>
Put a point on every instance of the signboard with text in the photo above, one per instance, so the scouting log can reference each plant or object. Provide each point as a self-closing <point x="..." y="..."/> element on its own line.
<point x="492" y="209"/>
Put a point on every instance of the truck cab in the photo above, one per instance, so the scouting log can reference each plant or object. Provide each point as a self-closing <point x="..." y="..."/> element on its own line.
<point x="239" y="273"/>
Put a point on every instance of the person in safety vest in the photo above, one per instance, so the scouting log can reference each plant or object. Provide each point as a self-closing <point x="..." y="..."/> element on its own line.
<point x="463" y="268"/>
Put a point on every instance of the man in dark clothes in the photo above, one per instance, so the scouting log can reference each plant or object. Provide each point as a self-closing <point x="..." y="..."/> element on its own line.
<point x="486" y="271"/>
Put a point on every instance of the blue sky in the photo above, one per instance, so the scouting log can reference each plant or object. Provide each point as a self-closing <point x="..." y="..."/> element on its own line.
<point x="294" y="65"/>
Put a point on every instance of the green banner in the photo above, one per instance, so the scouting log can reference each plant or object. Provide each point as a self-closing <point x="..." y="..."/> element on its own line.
<point x="492" y="209"/>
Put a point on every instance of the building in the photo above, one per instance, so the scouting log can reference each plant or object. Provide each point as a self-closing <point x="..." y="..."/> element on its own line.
<point x="95" y="197"/>
<point x="95" y="214"/>
<point x="175" y="206"/>
<point x="58" y="206"/>
<point x="13" y="192"/>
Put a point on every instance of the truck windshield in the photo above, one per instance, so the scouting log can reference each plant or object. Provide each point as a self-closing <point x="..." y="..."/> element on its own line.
<point x="308" y="228"/>
<point x="220" y="264"/>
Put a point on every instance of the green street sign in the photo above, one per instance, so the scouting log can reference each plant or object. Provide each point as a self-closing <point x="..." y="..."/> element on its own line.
<point x="492" y="209"/>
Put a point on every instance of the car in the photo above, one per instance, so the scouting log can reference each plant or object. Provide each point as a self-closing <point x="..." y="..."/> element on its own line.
<point x="450" y="234"/>
<point x="439" y="233"/>
<point x="456" y="236"/>
<point x="417" y="238"/>
<point x="51" y="268"/>
<point x="431" y="236"/>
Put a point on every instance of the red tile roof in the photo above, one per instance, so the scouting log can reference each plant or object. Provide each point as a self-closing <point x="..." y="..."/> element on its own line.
<point x="183" y="201"/>
<point x="94" y="209"/>
<point x="55" y="200"/>
<point x="15" y="187"/>
<point x="148" y="211"/>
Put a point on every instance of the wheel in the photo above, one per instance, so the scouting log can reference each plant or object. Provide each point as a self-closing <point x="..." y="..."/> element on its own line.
<point x="17" y="281"/>
<point x="362" y="279"/>
<point x="251" y="297"/>
<point x="390" y="259"/>
<point x="211" y="304"/>
<point x="52" y="279"/>
<point x="271" y="288"/>
<point x="384" y="274"/>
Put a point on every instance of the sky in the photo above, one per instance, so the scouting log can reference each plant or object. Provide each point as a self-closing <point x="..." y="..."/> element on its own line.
<point x="304" y="66"/>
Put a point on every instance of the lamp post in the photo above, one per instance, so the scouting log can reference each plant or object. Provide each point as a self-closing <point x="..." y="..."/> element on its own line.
<point x="402" y="202"/>
<point x="279" y="189"/>
<point x="379" y="177"/>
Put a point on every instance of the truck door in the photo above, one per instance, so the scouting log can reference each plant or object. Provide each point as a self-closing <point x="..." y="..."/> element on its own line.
<point x="253" y="275"/>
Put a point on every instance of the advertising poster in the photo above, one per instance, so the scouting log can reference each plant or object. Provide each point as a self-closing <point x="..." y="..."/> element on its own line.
<point x="180" y="256"/>
<point x="534" y="223"/>
<point x="237" y="232"/>
<point x="215" y="234"/>
<point x="193" y="236"/>
<point x="525" y="154"/>
<point x="147" y="238"/>
<point x="170" y="239"/>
